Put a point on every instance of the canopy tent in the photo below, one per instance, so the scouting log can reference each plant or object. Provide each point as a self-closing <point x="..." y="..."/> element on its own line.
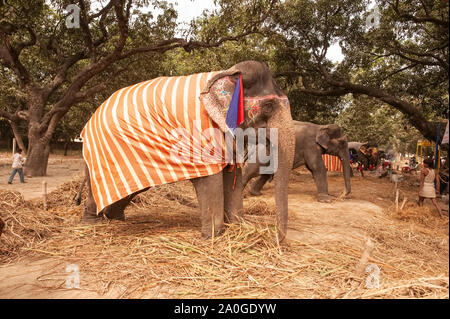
<point x="421" y="144"/>
<point x="445" y="138"/>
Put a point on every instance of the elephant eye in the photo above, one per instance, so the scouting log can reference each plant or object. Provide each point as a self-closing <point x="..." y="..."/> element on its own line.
<point x="267" y="108"/>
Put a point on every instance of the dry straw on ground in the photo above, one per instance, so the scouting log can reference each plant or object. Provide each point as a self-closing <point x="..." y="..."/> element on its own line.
<point x="158" y="251"/>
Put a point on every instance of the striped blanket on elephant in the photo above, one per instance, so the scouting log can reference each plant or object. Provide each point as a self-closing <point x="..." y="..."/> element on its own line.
<point x="332" y="163"/>
<point x="129" y="142"/>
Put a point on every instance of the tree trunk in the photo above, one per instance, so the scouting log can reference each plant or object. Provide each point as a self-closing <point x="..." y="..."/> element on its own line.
<point x="37" y="157"/>
<point x="38" y="141"/>
<point x="66" y="147"/>
<point x="17" y="136"/>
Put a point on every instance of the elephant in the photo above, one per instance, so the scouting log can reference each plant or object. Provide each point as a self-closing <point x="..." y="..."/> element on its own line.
<point x="311" y="141"/>
<point x="358" y="156"/>
<point x="366" y="155"/>
<point x="122" y="158"/>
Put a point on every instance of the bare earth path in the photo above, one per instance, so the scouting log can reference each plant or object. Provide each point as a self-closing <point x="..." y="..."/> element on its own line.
<point x="61" y="169"/>
<point x="345" y="223"/>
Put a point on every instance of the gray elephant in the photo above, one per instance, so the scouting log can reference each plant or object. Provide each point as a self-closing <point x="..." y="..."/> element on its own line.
<point x="136" y="140"/>
<point x="311" y="141"/>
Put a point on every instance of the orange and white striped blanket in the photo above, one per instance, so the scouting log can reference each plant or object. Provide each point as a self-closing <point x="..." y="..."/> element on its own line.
<point x="332" y="163"/>
<point x="128" y="142"/>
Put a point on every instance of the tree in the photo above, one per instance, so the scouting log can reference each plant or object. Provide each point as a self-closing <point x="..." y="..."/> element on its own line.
<point x="52" y="68"/>
<point x="368" y="120"/>
<point x="402" y="62"/>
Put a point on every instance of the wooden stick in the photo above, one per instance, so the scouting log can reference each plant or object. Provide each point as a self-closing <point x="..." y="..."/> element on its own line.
<point x="44" y="194"/>
<point x="403" y="203"/>
<point x="2" y="224"/>
<point x="364" y="257"/>
<point x="396" y="199"/>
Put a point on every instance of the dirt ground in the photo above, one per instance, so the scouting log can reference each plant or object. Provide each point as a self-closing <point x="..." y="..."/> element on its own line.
<point x="158" y="253"/>
<point x="61" y="169"/>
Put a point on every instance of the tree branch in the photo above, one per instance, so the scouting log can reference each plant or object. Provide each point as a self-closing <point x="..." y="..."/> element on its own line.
<point x="11" y="59"/>
<point x="23" y="45"/>
<point x="86" y="31"/>
<point x="81" y="96"/>
<point x="416" y="118"/>
<point x="62" y="72"/>
<point x="419" y="19"/>
<point x="6" y="115"/>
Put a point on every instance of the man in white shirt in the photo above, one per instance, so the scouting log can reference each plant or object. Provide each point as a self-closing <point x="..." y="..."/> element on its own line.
<point x="17" y="166"/>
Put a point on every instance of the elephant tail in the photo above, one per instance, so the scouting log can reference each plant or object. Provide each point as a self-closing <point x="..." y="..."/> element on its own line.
<point x="77" y="197"/>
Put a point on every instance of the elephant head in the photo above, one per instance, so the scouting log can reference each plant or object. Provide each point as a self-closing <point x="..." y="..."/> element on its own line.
<point x="332" y="139"/>
<point x="265" y="106"/>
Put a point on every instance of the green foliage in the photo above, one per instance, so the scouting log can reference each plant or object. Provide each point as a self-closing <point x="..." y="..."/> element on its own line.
<point x="405" y="58"/>
<point x="364" y="120"/>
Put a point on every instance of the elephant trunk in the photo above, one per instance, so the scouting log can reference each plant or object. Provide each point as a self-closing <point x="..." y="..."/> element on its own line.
<point x="282" y="121"/>
<point x="345" y="159"/>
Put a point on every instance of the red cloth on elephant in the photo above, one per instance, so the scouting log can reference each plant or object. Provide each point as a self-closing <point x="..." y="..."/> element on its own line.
<point x="129" y="141"/>
<point x="332" y="163"/>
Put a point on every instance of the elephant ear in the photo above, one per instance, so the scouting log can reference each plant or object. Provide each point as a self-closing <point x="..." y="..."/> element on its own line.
<point x="334" y="131"/>
<point x="342" y="141"/>
<point x="322" y="137"/>
<point x="216" y="96"/>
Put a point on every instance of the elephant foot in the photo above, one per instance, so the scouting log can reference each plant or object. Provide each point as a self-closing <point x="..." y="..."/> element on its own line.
<point x="90" y="219"/>
<point x="324" y="198"/>
<point x="233" y="217"/>
<point x="115" y="214"/>
<point x="117" y="210"/>
<point x="208" y="230"/>
<point x="217" y="233"/>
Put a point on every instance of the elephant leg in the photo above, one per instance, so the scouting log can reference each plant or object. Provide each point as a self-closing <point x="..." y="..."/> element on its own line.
<point x="319" y="172"/>
<point x="259" y="183"/>
<point x="117" y="209"/>
<point x="209" y="190"/>
<point x="90" y="207"/>
<point x="232" y="194"/>
<point x="320" y="178"/>
<point x="251" y="171"/>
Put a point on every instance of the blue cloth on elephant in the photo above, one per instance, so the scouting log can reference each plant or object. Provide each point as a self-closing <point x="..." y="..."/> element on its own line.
<point x="235" y="114"/>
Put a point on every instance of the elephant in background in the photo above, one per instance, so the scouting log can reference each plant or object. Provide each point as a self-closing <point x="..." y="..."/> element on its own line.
<point x="357" y="156"/>
<point x="311" y="141"/>
<point x="266" y="106"/>
<point x="366" y="155"/>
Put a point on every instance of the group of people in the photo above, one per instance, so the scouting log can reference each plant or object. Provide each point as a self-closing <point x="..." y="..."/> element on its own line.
<point x="362" y="154"/>
<point x="367" y="156"/>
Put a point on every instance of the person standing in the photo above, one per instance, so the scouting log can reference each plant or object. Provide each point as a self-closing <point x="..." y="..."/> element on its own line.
<point x="17" y="166"/>
<point x="427" y="178"/>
